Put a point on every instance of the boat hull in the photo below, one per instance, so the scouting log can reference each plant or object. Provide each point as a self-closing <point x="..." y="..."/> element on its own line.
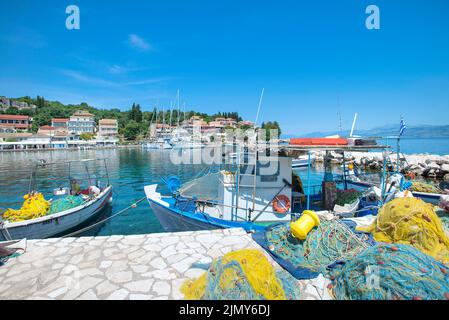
<point x="57" y="224"/>
<point x="175" y="222"/>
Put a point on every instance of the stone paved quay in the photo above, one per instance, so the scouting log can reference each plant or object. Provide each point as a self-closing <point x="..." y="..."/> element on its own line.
<point x="151" y="266"/>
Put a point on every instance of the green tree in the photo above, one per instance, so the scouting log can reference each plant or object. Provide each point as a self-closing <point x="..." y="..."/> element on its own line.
<point x="12" y="110"/>
<point x="131" y="130"/>
<point x="267" y="126"/>
<point x="87" y="136"/>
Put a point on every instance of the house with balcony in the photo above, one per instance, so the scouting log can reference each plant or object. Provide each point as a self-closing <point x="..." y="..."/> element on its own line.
<point x="16" y="122"/>
<point x="81" y="122"/>
<point x="108" y="128"/>
<point x="107" y="132"/>
<point x="60" y="124"/>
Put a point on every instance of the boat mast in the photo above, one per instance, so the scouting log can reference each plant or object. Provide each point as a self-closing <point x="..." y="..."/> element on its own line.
<point x="178" y="115"/>
<point x="353" y="125"/>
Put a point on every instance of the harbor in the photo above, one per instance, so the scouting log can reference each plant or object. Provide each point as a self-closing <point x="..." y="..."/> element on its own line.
<point x="138" y="267"/>
<point x="228" y="159"/>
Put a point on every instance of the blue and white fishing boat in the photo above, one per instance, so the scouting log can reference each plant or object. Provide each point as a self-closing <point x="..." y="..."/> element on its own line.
<point x="249" y="196"/>
<point x="227" y="199"/>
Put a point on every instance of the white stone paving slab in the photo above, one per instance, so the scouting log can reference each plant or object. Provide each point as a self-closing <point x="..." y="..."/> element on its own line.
<point x="151" y="266"/>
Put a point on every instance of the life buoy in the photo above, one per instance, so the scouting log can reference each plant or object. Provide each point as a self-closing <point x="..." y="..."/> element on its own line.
<point x="411" y="175"/>
<point x="281" y="204"/>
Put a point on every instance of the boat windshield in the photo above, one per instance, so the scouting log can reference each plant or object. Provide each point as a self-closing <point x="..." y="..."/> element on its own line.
<point x="205" y="188"/>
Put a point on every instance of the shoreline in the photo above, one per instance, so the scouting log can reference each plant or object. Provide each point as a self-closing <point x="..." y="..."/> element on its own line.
<point x="131" y="146"/>
<point x="421" y="164"/>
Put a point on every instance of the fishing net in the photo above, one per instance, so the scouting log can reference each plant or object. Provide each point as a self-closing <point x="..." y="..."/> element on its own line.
<point x="444" y="217"/>
<point x="424" y="187"/>
<point x="347" y="197"/>
<point x="34" y="206"/>
<point x="391" y="272"/>
<point x="242" y="275"/>
<point x="66" y="203"/>
<point x="331" y="241"/>
<point x="204" y="188"/>
<point x="411" y="221"/>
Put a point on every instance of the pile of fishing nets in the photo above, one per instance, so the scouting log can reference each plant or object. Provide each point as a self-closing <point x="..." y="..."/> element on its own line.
<point x="414" y="222"/>
<point x="65" y="203"/>
<point x="444" y="217"/>
<point x="34" y="206"/>
<point x="391" y="272"/>
<point x="331" y="241"/>
<point x="424" y="187"/>
<point x="242" y="275"/>
<point x="347" y="197"/>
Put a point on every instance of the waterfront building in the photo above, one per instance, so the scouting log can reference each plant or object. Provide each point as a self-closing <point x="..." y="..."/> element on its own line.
<point x="7" y="129"/>
<point x="81" y="122"/>
<point x="59" y="139"/>
<point x="108" y="128"/>
<point x="60" y="124"/>
<point x="15" y="121"/>
<point x="47" y="130"/>
<point x="23" y="140"/>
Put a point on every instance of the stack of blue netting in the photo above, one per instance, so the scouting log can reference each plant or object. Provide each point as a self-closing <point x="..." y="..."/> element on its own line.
<point x="391" y="272"/>
<point x="66" y="203"/>
<point x="328" y="243"/>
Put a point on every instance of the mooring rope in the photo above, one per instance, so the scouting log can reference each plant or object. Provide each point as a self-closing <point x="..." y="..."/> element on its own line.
<point x="132" y="206"/>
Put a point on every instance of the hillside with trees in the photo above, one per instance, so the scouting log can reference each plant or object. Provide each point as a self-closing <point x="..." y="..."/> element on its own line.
<point x="133" y="123"/>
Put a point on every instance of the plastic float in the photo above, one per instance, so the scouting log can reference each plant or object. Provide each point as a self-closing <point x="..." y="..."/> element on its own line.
<point x="301" y="228"/>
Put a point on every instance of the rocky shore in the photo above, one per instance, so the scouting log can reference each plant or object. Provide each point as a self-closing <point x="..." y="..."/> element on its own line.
<point x="424" y="165"/>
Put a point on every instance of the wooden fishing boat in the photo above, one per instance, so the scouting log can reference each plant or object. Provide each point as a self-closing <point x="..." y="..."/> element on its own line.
<point x="65" y="221"/>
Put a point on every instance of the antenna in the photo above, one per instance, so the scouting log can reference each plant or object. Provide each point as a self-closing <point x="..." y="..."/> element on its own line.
<point x="340" y="128"/>
<point x="258" y="109"/>
<point x="353" y="124"/>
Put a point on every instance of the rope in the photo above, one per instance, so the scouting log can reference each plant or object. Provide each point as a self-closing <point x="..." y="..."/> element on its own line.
<point x="5" y="231"/>
<point x="132" y="206"/>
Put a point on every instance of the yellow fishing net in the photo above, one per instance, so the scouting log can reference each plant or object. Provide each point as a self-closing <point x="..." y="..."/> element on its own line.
<point x="240" y="275"/>
<point x="414" y="222"/>
<point x="34" y="206"/>
<point x="424" y="187"/>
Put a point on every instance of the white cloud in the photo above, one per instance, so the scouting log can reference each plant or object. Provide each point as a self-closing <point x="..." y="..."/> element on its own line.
<point x="136" y="42"/>
<point x="99" y="82"/>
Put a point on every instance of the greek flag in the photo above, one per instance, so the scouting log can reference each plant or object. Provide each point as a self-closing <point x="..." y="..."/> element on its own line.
<point x="402" y="128"/>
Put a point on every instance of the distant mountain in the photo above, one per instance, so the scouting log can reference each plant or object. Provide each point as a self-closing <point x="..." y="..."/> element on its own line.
<point x="412" y="131"/>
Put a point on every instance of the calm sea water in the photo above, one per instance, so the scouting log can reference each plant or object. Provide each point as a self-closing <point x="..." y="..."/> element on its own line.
<point x="129" y="171"/>
<point x="438" y="146"/>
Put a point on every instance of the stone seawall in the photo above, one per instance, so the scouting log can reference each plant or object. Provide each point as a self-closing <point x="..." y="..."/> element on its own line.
<point x="425" y="165"/>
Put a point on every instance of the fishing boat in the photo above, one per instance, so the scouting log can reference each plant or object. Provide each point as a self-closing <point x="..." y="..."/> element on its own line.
<point x="158" y="144"/>
<point x="86" y="204"/>
<point x="245" y="195"/>
<point x="302" y="161"/>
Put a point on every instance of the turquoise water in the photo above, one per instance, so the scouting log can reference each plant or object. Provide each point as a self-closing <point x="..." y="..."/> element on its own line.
<point x="129" y="171"/>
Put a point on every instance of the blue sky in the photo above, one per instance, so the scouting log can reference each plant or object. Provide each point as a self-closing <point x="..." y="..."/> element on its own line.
<point x="313" y="58"/>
